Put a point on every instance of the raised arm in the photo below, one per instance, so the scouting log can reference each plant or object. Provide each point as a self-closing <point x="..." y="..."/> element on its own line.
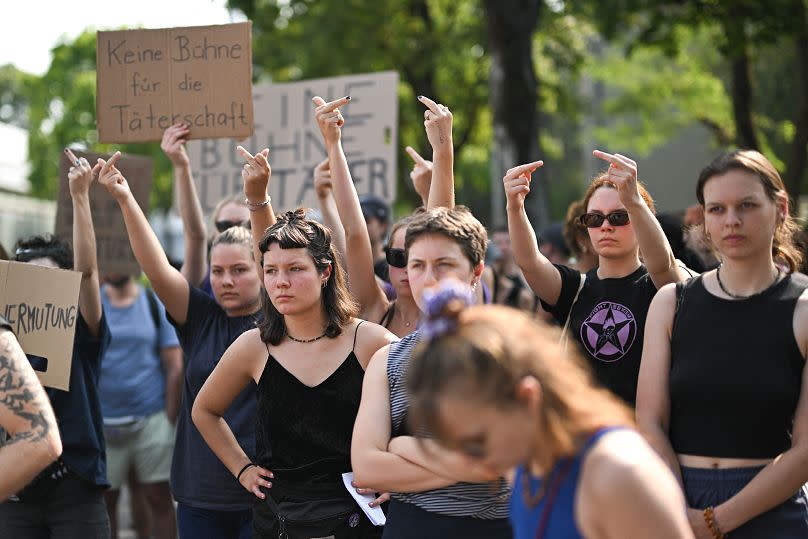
<point x="195" y="257"/>
<point x="438" y="125"/>
<point x="26" y="415"/>
<point x="168" y="283"/>
<point x="359" y="265"/>
<point x="653" y="397"/>
<point x="80" y="177"/>
<point x="543" y="278"/>
<point x="373" y="465"/>
<point x="421" y="175"/>
<point x="656" y="252"/>
<point x="328" y="207"/>
<point x="256" y="174"/>
<point x="235" y="371"/>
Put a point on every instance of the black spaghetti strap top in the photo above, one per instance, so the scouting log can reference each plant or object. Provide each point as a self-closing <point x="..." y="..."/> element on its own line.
<point x="304" y="433"/>
<point x="388" y="315"/>
<point x="736" y="372"/>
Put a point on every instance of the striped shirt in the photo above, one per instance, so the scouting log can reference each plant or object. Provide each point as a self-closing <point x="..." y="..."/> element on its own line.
<point x="479" y="500"/>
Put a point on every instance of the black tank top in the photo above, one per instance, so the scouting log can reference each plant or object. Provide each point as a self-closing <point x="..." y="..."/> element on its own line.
<point x="303" y="434"/>
<point x="736" y="372"/>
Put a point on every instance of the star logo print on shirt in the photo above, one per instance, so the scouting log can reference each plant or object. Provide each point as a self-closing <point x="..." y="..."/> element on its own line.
<point x="609" y="331"/>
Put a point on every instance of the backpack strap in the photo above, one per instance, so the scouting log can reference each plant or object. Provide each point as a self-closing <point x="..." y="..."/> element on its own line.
<point x="154" y="310"/>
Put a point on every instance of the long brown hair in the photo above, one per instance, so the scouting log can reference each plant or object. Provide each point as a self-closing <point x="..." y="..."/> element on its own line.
<point x="486" y="353"/>
<point x="293" y="231"/>
<point x="784" y="249"/>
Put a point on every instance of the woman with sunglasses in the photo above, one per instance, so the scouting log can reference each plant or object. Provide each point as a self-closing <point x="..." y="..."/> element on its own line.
<point x="604" y="310"/>
<point x="723" y="389"/>
<point x="400" y="315"/>
<point x="210" y="501"/>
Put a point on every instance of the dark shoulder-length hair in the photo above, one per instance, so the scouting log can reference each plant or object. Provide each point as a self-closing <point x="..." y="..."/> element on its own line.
<point x="293" y="231"/>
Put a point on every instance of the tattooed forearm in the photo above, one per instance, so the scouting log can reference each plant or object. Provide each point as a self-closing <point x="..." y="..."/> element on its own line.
<point x="22" y="399"/>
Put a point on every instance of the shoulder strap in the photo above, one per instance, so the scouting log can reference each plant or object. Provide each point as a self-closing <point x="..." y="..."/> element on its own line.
<point x="356" y="333"/>
<point x="154" y="310"/>
<point x="565" y="331"/>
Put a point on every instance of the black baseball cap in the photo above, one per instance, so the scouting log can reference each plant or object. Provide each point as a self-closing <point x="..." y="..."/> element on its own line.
<point x="373" y="206"/>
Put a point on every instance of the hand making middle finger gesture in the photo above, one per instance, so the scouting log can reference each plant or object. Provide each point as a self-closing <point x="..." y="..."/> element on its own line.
<point x="623" y="174"/>
<point x="517" y="183"/>
<point x="438" y="124"/>
<point x="329" y="118"/>
<point x="255" y="173"/>
<point x="111" y="178"/>
<point x="80" y="174"/>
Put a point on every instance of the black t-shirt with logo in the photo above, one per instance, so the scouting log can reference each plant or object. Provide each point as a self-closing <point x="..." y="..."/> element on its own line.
<point x="608" y="322"/>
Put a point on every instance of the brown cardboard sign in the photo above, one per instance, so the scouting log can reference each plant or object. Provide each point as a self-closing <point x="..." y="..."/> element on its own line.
<point x="285" y="124"/>
<point x="112" y="241"/>
<point x="148" y="80"/>
<point x="42" y="306"/>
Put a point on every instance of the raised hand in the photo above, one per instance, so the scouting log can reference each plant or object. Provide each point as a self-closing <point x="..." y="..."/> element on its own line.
<point x="255" y="173"/>
<point x="421" y="174"/>
<point x="111" y="178"/>
<point x="438" y="124"/>
<point x="329" y="118"/>
<point x="254" y="478"/>
<point x="517" y="183"/>
<point x="623" y="174"/>
<point x="80" y="174"/>
<point x="173" y="144"/>
<point x="322" y="179"/>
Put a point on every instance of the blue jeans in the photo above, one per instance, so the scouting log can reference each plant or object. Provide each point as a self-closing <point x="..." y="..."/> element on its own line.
<point x="706" y="487"/>
<point x="197" y="523"/>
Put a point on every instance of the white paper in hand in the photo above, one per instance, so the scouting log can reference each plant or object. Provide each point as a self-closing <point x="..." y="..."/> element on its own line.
<point x="375" y="514"/>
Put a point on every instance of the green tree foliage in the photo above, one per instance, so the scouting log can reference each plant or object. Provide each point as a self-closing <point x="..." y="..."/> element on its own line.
<point x="61" y="112"/>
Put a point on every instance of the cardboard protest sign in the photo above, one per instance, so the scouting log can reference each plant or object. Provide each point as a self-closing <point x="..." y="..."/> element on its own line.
<point x="42" y="306"/>
<point x="112" y="242"/>
<point x="148" y="80"/>
<point x="285" y="124"/>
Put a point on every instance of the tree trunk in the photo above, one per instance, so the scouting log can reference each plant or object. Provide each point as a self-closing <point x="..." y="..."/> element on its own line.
<point x="798" y="153"/>
<point x="745" y="133"/>
<point x="514" y="100"/>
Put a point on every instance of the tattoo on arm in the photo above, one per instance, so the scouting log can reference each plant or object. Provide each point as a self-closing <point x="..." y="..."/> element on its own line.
<point x="21" y="395"/>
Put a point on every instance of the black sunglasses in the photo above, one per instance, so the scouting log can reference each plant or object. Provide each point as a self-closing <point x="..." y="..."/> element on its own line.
<point x="223" y="225"/>
<point x="595" y="220"/>
<point x="396" y="257"/>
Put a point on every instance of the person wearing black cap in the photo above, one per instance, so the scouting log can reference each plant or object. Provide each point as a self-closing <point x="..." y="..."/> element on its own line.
<point x="377" y="216"/>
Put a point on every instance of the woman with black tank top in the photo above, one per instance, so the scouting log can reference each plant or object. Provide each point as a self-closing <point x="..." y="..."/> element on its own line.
<point x="603" y="310"/>
<point x="307" y="357"/>
<point x="723" y="392"/>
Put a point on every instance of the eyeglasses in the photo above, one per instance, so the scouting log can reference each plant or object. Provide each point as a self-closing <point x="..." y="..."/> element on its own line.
<point x="595" y="220"/>
<point x="223" y="225"/>
<point x="396" y="257"/>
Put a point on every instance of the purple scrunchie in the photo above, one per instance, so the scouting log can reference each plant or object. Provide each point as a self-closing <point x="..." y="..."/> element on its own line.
<point x="435" y="323"/>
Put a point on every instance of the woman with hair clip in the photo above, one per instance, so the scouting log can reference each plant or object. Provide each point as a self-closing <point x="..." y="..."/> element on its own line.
<point x="731" y="416"/>
<point x="211" y="503"/>
<point x="307" y="357"/>
<point x="487" y="381"/>
<point x="401" y="314"/>
<point x="436" y="494"/>
<point x="604" y="309"/>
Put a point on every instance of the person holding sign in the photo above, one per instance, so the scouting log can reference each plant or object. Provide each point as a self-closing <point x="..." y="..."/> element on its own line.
<point x="25" y="415"/>
<point x="66" y="500"/>
<point x="211" y="503"/>
<point x="604" y="309"/>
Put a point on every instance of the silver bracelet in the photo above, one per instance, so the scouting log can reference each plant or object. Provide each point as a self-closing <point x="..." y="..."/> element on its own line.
<point x="253" y="206"/>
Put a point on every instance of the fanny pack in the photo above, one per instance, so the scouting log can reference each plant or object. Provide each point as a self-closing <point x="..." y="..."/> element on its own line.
<point x="120" y="430"/>
<point x="308" y="511"/>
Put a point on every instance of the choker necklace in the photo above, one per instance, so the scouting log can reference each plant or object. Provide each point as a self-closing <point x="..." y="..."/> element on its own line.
<point x="736" y="296"/>
<point x="304" y="341"/>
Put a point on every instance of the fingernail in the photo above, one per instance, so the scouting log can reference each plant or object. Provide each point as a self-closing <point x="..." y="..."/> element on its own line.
<point x="420" y="97"/>
<point x="271" y="475"/>
<point x="372" y="504"/>
<point x="353" y="483"/>
<point x="348" y="97"/>
<point x="269" y="485"/>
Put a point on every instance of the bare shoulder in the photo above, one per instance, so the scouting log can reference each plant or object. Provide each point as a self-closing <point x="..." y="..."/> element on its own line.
<point x="801" y="323"/>
<point x="370" y="338"/>
<point x="621" y="470"/>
